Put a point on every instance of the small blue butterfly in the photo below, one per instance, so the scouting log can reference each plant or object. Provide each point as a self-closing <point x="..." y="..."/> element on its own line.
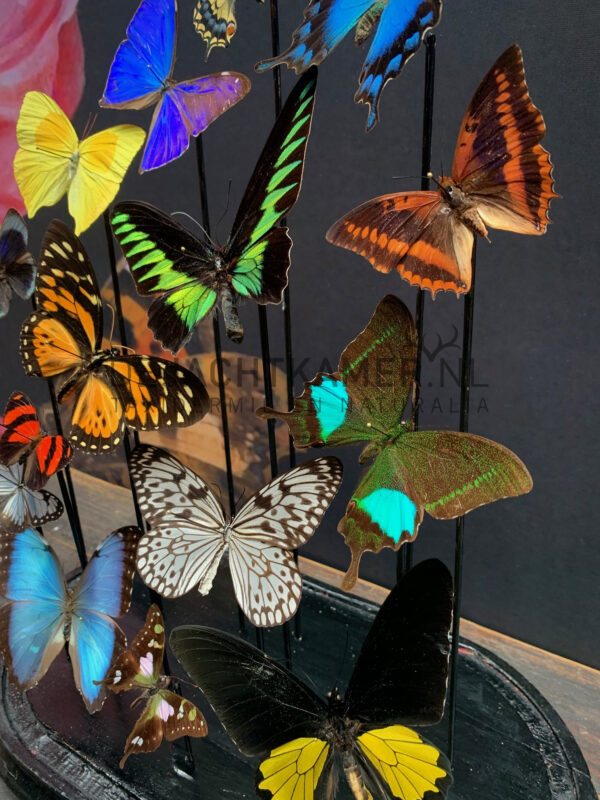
<point x="401" y="25"/>
<point x="141" y="75"/>
<point x="42" y="614"/>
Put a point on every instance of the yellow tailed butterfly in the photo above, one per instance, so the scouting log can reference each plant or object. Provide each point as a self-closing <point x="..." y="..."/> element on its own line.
<point x="52" y="161"/>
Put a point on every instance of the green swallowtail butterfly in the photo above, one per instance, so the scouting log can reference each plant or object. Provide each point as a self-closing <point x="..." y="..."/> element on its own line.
<point x="445" y="473"/>
<point x="191" y="275"/>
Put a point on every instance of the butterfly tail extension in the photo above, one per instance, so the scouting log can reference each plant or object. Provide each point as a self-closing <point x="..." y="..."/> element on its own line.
<point x="233" y="325"/>
<point x="402" y="26"/>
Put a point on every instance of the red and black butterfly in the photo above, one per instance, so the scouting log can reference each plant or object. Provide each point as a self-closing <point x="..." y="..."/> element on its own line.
<point x="501" y="177"/>
<point x="24" y="440"/>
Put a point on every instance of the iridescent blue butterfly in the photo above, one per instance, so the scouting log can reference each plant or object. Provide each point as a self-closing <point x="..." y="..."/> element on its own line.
<point x="141" y="76"/>
<point x="401" y="25"/>
<point x="42" y="614"/>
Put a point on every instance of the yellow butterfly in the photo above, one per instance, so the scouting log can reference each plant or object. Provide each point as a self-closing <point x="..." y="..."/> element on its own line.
<point x="51" y="160"/>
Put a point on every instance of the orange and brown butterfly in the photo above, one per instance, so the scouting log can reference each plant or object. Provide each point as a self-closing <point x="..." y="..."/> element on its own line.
<point x="24" y="439"/>
<point x="63" y="337"/>
<point x="165" y="714"/>
<point x="501" y="177"/>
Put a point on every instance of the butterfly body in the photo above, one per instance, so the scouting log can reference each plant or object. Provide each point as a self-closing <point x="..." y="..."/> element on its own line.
<point x="501" y="178"/>
<point x="399" y="679"/>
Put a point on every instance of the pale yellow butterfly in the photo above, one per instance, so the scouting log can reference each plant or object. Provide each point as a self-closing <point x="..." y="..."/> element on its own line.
<point x="51" y="160"/>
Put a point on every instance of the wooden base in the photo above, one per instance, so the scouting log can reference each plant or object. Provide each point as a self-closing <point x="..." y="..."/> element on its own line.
<point x="510" y="744"/>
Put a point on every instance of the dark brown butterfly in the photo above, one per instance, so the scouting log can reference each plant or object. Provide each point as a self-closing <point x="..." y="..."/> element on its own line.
<point x="165" y="713"/>
<point x="501" y="177"/>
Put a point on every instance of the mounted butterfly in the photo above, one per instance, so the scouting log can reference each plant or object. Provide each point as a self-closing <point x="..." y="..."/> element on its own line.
<point x="22" y="507"/>
<point x="189" y="532"/>
<point x="24" y="440"/>
<point x="445" y="473"/>
<point x="215" y="21"/>
<point x="42" y="614"/>
<point x="165" y="713"/>
<point x="399" y="679"/>
<point x="399" y="27"/>
<point x="141" y="75"/>
<point x="189" y="276"/>
<point x="501" y="177"/>
<point x="17" y="265"/>
<point x="63" y="337"/>
<point x="51" y="161"/>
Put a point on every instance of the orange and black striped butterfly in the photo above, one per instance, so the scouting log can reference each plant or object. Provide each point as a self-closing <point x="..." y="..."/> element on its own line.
<point x="24" y="439"/>
<point x="110" y="389"/>
<point x="501" y="177"/>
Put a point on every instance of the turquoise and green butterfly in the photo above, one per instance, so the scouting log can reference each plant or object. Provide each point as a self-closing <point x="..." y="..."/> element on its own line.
<point x="445" y="473"/>
<point x="190" y="275"/>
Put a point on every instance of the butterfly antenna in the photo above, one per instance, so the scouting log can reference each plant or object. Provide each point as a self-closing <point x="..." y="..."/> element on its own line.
<point x="222" y="217"/>
<point x="91" y="121"/>
<point x="240" y="498"/>
<point x="195" y="221"/>
<point x="112" y="321"/>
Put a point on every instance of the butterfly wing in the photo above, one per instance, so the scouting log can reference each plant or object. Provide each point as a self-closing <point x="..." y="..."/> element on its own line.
<point x="17" y="265"/>
<point x="398" y="37"/>
<point x="413" y="233"/>
<point x="187" y="109"/>
<point x="143" y="60"/>
<point x="257" y="253"/>
<point x="397" y="762"/>
<point x="280" y="517"/>
<point x="21" y="507"/>
<point x="215" y="21"/>
<point x="165" y="714"/>
<point x="186" y="539"/>
<point x="499" y="160"/>
<point x="259" y="703"/>
<point x="103" y="592"/>
<point x="47" y="143"/>
<point x="325" y="24"/>
<point x="32" y="619"/>
<point x="368" y="392"/>
<point x="167" y="260"/>
<point x="22" y="436"/>
<point x="104" y="158"/>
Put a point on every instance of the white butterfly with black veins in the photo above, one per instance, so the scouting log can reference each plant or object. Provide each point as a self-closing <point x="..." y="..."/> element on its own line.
<point x="21" y="507"/>
<point x="190" y="533"/>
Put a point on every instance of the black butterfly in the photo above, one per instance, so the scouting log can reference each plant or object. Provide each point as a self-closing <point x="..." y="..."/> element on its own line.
<point x="191" y="275"/>
<point x="17" y="265"/>
<point x="399" y="679"/>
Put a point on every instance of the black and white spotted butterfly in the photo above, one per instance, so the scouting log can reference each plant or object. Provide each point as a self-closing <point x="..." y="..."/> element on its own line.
<point x="190" y="532"/>
<point x="21" y="507"/>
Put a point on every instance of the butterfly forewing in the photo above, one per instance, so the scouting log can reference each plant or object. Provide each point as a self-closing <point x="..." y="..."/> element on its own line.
<point x="259" y="703"/>
<point x="498" y="157"/>
<point x="140" y="665"/>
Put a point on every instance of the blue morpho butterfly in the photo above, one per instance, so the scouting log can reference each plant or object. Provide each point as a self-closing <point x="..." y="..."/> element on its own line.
<point x="401" y="25"/>
<point x="141" y="75"/>
<point x="41" y="613"/>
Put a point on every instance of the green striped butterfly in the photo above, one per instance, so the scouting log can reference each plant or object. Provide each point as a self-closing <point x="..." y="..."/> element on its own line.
<point x="191" y="275"/>
<point x="445" y="473"/>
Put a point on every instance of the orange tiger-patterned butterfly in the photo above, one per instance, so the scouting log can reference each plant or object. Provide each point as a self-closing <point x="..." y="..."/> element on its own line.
<point x="501" y="177"/>
<point x="63" y="337"/>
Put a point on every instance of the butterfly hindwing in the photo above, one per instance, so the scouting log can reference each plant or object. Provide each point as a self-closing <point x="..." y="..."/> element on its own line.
<point x="498" y="158"/>
<point x="215" y="21"/>
<point x="297" y="769"/>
